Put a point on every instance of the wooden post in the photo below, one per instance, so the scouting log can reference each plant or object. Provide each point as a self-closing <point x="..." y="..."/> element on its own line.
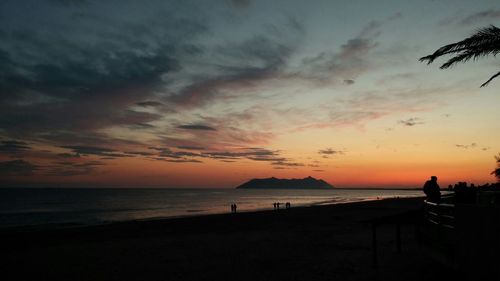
<point x="398" y="237"/>
<point x="374" y="245"/>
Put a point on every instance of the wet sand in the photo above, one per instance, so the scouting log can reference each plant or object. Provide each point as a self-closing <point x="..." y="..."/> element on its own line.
<point x="332" y="242"/>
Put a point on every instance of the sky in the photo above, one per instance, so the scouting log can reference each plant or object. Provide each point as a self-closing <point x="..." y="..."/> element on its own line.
<point x="185" y="94"/>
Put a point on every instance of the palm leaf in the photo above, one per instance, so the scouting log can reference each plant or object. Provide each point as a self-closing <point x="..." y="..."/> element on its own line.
<point x="484" y="42"/>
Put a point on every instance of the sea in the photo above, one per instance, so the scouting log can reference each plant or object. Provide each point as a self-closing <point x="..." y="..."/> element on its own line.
<point x="20" y="207"/>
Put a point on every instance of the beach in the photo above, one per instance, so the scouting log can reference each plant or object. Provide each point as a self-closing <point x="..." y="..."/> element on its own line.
<point x="330" y="242"/>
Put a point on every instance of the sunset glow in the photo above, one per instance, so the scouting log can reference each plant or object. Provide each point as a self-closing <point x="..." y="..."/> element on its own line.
<point x="214" y="93"/>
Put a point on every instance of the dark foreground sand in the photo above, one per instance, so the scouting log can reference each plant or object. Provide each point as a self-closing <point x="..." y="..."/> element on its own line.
<point x="311" y="243"/>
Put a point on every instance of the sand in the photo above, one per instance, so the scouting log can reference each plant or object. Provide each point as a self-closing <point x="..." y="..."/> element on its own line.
<point x="331" y="242"/>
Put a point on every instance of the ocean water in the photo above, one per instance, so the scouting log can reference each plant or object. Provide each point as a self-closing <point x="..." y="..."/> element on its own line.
<point x="67" y="206"/>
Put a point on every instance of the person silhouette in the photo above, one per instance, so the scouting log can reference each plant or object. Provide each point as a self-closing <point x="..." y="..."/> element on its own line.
<point x="432" y="191"/>
<point x="235" y="207"/>
<point x="274" y="205"/>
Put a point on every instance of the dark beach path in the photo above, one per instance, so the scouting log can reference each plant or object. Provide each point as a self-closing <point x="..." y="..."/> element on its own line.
<point x="330" y="242"/>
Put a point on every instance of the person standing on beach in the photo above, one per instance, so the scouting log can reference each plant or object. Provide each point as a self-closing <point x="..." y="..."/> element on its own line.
<point x="432" y="191"/>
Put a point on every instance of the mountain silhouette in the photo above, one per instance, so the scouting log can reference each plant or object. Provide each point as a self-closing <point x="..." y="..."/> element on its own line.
<point x="275" y="183"/>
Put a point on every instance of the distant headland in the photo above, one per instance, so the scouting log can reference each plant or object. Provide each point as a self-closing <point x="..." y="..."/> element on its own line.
<point x="275" y="183"/>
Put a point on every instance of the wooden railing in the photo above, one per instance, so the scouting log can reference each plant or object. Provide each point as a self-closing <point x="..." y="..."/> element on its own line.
<point x="440" y="214"/>
<point x="437" y="235"/>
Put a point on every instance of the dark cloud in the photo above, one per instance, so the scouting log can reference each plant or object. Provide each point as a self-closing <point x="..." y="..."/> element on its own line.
<point x="69" y="155"/>
<point x="467" y="146"/>
<point x="268" y="159"/>
<point x="256" y="154"/>
<point x="285" y="163"/>
<point x="347" y="63"/>
<point x="99" y="139"/>
<point x="88" y="72"/>
<point x="141" y="153"/>
<point x="330" y="152"/>
<point x="176" y="156"/>
<point x="241" y="65"/>
<point x="69" y="2"/>
<point x="93" y="150"/>
<point x="486" y="15"/>
<point x="184" y="161"/>
<point x="149" y="103"/>
<point x="142" y="126"/>
<point x="17" y="168"/>
<point x="197" y="127"/>
<point x="12" y="146"/>
<point x="411" y="121"/>
<point x="68" y="168"/>
<point x="240" y="3"/>
<point x="191" y="147"/>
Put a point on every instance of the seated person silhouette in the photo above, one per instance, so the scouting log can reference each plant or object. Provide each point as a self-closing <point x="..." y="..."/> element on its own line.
<point x="432" y="191"/>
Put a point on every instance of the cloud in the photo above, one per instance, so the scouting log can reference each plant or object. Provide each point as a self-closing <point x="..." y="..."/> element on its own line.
<point x="142" y="126"/>
<point x="255" y="154"/>
<point x="176" y="156"/>
<point x="197" y="127"/>
<point x="347" y="63"/>
<point x="141" y="153"/>
<point x="285" y="163"/>
<point x="69" y="155"/>
<point x="93" y="150"/>
<point x="12" y="146"/>
<point x="472" y="146"/>
<point x="330" y="152"/>
<point x="237" y="66"/>
<point x="88" y="72"/>
<point x="191" y="147"/>
<point x="411" y="121"/>
<point x="240" y="3"/>
<point x="69" y="2"/>
<point x="106" y="80"/>
<point x="69" y="168"/>
<point x="486" y="15"/>
<point x="184" y="161"/>
<point x="17" y="167"/>
<point x="149" y="103"/>
<point x="467" y="146"/>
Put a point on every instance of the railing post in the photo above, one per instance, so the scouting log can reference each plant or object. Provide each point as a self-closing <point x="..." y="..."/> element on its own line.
<point x="398" y="237"/>
<point x="374" y="245"/>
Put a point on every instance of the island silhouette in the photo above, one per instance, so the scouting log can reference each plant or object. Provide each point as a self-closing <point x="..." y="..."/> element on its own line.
<point x="275" y="183"/>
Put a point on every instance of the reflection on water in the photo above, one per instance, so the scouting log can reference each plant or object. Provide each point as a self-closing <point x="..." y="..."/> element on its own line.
<point x="94" y="206"/>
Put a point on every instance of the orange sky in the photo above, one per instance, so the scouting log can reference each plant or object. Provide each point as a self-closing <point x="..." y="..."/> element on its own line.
<point x="212" y="95"/>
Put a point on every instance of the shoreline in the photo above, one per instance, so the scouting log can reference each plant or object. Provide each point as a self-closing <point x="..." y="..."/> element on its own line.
<point x="70" y="225"/>
<point x="195" y="221"/>
<point x="329" y="242"/>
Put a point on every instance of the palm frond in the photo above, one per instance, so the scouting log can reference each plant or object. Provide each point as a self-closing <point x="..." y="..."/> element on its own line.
<point x="485" y="42"/>
<point x="472" y="53"/>
<point x="483" y="37"/>
<point x="491" y="78"/>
